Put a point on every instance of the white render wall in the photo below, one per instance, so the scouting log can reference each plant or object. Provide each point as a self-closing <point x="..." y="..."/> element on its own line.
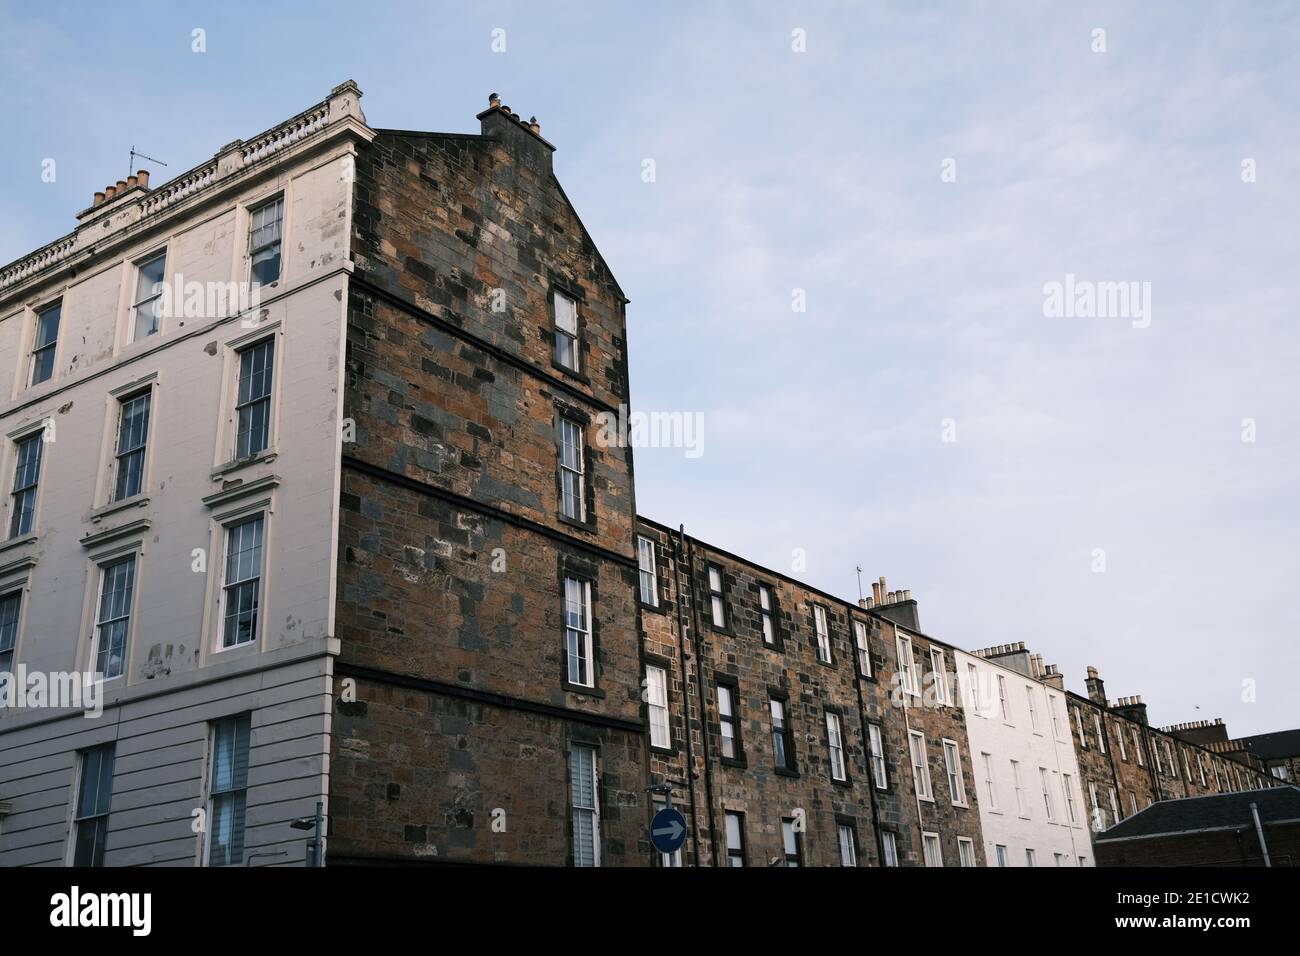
<point x="1017" y="738"/>
<point x="176" y="678"/>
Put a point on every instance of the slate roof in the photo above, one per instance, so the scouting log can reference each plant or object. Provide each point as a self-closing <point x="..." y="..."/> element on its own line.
<point x="1217" y="812"/>
<point x="1274" y="746"/>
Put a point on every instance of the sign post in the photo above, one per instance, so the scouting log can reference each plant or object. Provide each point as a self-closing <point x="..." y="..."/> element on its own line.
<point x="668" y="826"/>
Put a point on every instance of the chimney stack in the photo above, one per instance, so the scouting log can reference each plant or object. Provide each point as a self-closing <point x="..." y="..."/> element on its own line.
<point x="522" y="140"/>
<point x="1096" y="688"/>
<point x="1133" y="709"/>
<point x="1053" y="677"/>
<point x="114" y="191"/>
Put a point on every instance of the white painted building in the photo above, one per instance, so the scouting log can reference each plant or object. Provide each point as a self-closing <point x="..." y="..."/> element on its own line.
<point x="1031" y="804"/>
<point x="171" y="492"/>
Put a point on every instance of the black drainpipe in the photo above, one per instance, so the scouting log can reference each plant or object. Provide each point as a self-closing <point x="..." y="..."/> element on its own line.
<point x="699" y="684"/>
<point x="866" y="740"/>
<point x="686" y="701"/>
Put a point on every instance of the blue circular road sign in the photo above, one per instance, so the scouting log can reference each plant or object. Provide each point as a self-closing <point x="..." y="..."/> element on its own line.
<point x="668" y="830"/>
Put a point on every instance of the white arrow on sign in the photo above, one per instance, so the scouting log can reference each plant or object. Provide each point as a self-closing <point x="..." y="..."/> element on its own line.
<point x="673" y="831"/>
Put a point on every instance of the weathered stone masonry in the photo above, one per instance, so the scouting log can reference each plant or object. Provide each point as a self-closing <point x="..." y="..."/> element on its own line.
<point x="736" y="656"/>
<point x="453" y="550"/>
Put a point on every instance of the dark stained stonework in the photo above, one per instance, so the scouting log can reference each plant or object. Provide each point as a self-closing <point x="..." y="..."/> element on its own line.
<point x="452" y="548"/>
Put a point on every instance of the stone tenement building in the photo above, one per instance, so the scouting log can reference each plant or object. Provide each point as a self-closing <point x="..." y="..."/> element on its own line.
<point x="782" y="700"/>
<point x="1278" y="753"/>
<point x="303" y="466"/>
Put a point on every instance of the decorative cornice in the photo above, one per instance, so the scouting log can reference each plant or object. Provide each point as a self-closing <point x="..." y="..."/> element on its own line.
<point x="242" y="489"/>
<point x="96" y="538"/>
<point x="340" y="112"/>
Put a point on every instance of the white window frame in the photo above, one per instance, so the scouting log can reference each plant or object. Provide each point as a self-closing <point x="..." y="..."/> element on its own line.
<point x="647" y="572"/>
<point x="573" y="471"/>
<point x="1017" y="780"/>
<point x="907" y="666"/>
<point x="116" y="472"/>
<point x="52" y="347"/>
<point x="931" y="848"/>
<point x="1137" y="747"/>
<point x="1101" y="734"/>
<point x="155" y="294"/>
<point x="1119" y="737"/>
<point x="1033" y="711"/>
<point x="952" y="767"/>
<point x="1044" y="779"/>
<point x="835" y="746"/>
<point x="879" y="770"/>
<point x="862" y="642"/>
<point x="1000" y="854"/>
<point x="823" y="634"/>
<point x="890" y="844"/>
<point x="990" y="784"/>
<point x="656" y="688"/>
<point x="717" y="604"/>
<point x="133" y="559"/>
<point x="1004" y="705"/>
<point x="592" y="811"/>
<point x="736" y="846"/>
<point x="765" y="609"/>
<point x="212" y="793"/>
<point x="966" y="851"/>
<point x="920" y="765"/>
<point x="1054" y="713"/>
<point x="1078" y="720"/>
<point x="225" y="586"/>
<point x="849" y="847"/>
<point x="727" y="720"/>
<point x="973" y="683"/>
<point x="1031" y="856"/>
<point x="939" y="668"/>
<point x="1067" y="788"/>
<point x="791" y="844"/>
<point x="95" y="815"/>
<point x="568" y="329"/>
<point x="30" y="489"/>
<point x="278" y="200"/>
<point x="577" y="632"/>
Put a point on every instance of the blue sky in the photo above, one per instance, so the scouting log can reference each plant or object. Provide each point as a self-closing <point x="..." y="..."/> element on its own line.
<point x="821" y="170"/>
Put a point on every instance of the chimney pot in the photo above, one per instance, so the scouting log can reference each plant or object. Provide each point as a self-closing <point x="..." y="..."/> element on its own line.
<point x="131" y="181"/>
<point x="862" y="602"/>
<point x="109" y="192"/>
<point x="142" y="177"/>
<point x="99" y="198"/>
<point x="493" y="101"/>
<point x="121" y="185"/>
<point x="907" y="595"/>
<point x="875" y="591"/>
<point x="535" y="126"/>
